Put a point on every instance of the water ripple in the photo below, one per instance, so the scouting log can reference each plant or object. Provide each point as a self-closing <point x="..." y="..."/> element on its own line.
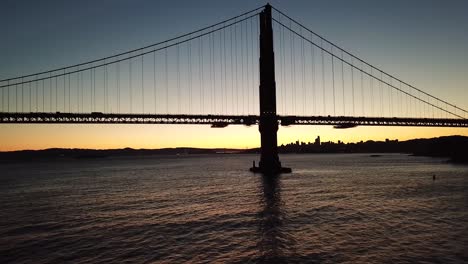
<point x="332" y="209"/>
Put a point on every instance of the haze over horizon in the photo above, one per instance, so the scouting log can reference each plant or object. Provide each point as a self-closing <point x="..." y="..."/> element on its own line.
<point x="422" y="42"/>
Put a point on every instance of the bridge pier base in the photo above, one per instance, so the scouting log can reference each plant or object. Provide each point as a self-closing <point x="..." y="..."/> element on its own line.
<point x="268" y="125"/>
<point x="270" y="170"/>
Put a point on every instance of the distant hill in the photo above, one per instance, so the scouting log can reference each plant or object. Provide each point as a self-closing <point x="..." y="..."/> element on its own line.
<point x="59" y="153"/>
<point x="453" y="147"/>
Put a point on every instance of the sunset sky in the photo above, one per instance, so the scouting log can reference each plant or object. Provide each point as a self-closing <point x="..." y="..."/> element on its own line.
<point x="421" y="42"/>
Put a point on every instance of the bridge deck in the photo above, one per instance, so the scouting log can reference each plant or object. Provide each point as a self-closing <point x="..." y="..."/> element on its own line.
<point x="222" y="120"/>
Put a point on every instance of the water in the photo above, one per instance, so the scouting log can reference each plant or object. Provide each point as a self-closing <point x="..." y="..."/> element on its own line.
<point x="349" y="208"/>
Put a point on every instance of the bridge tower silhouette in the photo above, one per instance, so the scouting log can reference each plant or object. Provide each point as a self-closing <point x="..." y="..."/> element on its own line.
<point x="268" y="123"/>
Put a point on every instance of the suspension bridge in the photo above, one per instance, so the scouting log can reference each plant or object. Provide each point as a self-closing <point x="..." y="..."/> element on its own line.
<point x="259" y="68"/>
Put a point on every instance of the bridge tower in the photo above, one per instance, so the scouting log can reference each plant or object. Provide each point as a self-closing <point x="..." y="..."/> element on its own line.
<point x="268" y="125"/>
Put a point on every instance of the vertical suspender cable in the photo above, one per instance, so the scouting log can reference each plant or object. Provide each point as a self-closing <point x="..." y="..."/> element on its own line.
<point x="352" y="84"/>
<point x="200" y="68"/>
<point x="342" y="84"/>
<point x="105" y="89"/>
<point x="362" y="90"/>
<point x="406" y="102"/>
<point x="81" y="92"/>
<point x="257" y="33"/>
<point x="303" y="75"/>
<point x="231" y="70"/>
<point x="56" y="94"/>
<point x="94" y="90"/>
<point x="178" y="79"/>
<point x="247" y="78"/>
<point x="91" y="91"/>
<point x="90" y="99"/>
<point x="154" y="81"/>
<point x="1" y="101"/>
<point x="31" y="94"/>
<point x="50" y="95"/>
<point x="314" y="94"/>
<point x="413" y="111"/>
<point x="118" y="87"/>
<point x="8" y="95"/>
<point x="283" y="66"/>
<point x="225" y="59"/>
<point x="282" y="49"/>
<point x="213" y="46"/>
<point x="254" y="38"/>
<point x="130" y="85"/>
<point x="214" y="69"/>
<point x="291" y="110"/>
<point x="390" y="106"/>
<point x="69" y="91"/>
<point x="433" y="110"/>
<point x="142" y="84"/>
<point x="242" y="86"/>
<point x="323" y="77"/>
<point x="247" y="67"/>
<point x="78" y="90"/>
<point x="391" y="98"/>
<point x="221" y="72"/>
<point x="43" y="96"/>
<point x="400" y="99"/>
<point x="213" y="72"/>
<point x="381" y="95"/>
<point x="293" y="69"/>
<point x="333" y="81"/>
<point x="30" y="98"/>
<point x="235" y="78"/>
<point x="22" y="95"/>
<point x="64" y="89"/>
<point x="225" y="72"/>
<point x="371" y="88"/>
<point x="189" y="54"/>
<point x="202" y="84"/>
<point x="210" y="70"/>
<point x="166" y="80"/>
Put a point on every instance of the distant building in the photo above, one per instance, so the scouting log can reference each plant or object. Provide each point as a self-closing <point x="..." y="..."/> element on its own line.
<point x="317" y="141"/>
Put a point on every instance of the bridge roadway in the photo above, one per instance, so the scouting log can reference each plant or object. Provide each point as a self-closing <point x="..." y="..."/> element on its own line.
<point x="222" y="120"/>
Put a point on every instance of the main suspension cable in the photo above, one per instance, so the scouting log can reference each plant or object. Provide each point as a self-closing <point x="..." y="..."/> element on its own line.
<point x="368" y="64"/>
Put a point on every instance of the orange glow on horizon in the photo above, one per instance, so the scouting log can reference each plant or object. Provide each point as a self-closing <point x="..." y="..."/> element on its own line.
<point x="35" y="137"/>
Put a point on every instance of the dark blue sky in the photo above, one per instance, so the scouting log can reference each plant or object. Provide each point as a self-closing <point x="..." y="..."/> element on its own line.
<point x="38" y="35"/>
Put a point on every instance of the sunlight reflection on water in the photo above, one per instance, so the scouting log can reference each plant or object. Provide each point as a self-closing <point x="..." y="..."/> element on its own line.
<point x="331" y="209"/>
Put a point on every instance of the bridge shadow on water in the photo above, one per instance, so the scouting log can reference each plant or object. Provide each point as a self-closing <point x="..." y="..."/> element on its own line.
<point x="275" y="245"/>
